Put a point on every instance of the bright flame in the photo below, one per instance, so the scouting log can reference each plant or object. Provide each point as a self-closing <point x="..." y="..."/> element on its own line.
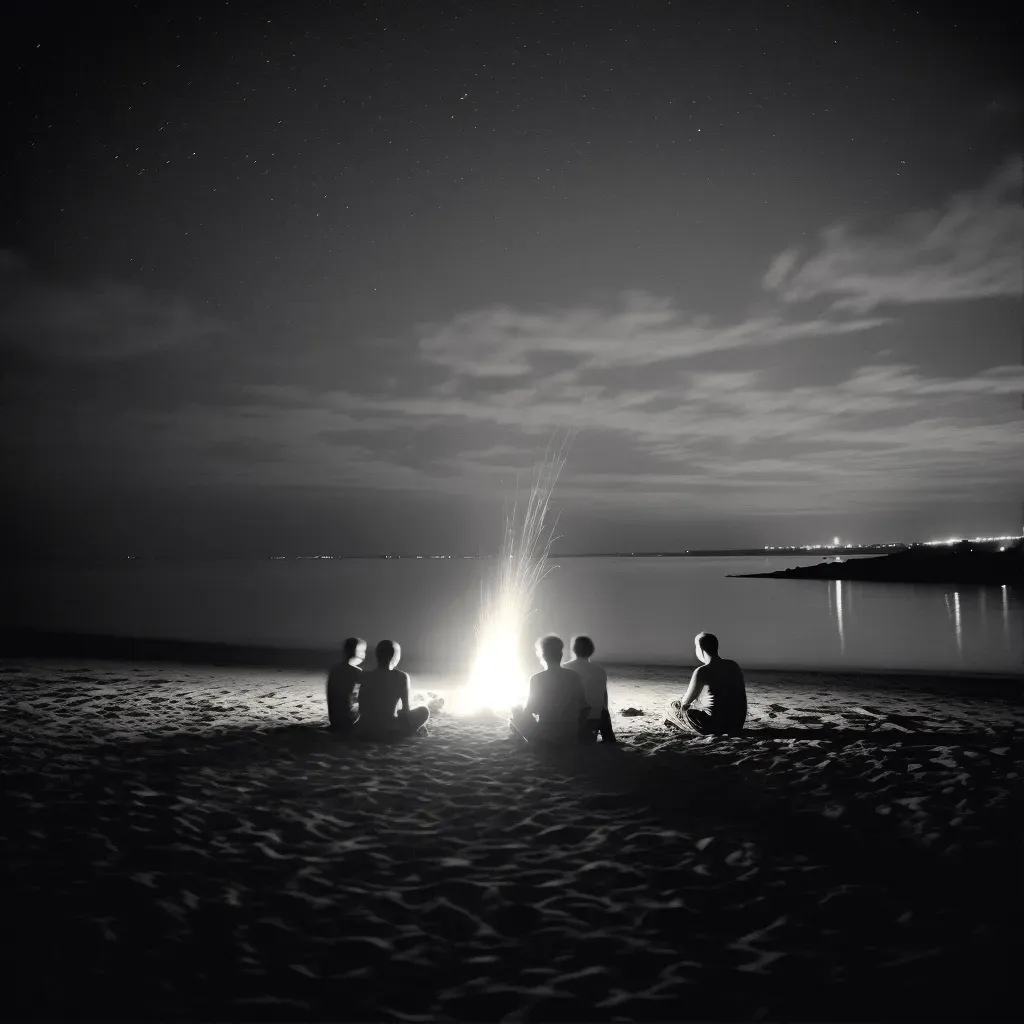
<point x="498" y="680"/>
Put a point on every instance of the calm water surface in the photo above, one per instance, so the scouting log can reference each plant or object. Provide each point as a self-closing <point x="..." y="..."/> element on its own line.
<point x="642" y="610"/>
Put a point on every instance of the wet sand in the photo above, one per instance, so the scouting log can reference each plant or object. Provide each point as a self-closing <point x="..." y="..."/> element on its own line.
<point x="190" y="843"/>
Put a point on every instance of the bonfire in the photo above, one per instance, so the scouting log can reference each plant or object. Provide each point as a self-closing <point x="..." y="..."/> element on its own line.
<point x="498" y="679"/>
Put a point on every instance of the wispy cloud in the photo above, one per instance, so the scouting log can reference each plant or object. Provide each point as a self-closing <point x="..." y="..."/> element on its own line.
<point x="699" y="405"/>
<point x="885" y="432"/>
<point x="894" y="379"/>
<point x="970" y="248"/>
<point x="825" y="426"/>
<point x="503" y="342"/>
<point x="780" y="269"/>
<point x="98" y="320"/>
<point x="713" y="443"/>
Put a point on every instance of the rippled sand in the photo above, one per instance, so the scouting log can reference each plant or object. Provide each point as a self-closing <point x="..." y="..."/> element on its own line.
<point x="189" y="843"/>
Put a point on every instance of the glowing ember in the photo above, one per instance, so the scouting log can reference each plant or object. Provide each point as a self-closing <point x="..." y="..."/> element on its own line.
<point x="498" y="680"/>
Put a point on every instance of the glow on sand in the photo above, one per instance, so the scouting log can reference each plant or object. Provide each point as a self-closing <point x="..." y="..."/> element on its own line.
<point x="497" y="679"/>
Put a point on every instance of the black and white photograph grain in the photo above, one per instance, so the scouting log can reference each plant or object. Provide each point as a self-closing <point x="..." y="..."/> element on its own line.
<point x="512" y="511"/>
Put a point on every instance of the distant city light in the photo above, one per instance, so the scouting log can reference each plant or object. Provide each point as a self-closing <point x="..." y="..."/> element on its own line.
<point x="848" y="545"/>
<point x="836" y="543"/>
<point x="972" y="540"/>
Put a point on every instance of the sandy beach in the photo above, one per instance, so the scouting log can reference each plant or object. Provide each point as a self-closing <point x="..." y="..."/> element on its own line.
<point x="182" y="842"/>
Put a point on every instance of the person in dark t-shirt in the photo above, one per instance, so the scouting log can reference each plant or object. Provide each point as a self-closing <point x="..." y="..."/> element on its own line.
<point x="720" y="682"/>
<point x="341" y="683"/>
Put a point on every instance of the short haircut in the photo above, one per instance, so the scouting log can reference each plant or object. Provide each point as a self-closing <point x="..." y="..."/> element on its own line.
<point x="386" y="651"/>
<point x="707" y="642"/>
<point x="551" y="648"/>
<point x="582" y="646"/>
<point x="351" y="645"/>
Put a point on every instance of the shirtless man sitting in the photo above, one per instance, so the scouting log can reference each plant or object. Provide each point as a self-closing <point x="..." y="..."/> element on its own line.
<point x="724" y="708"/>
<point x="384" y="707"/>
<point x="556" y="699"/>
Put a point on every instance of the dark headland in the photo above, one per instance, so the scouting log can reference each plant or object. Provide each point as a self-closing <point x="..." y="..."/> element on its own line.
<point x="957" y="563"/>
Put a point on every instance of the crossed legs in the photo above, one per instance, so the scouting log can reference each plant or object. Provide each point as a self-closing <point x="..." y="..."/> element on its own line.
<point x="697" y="722"/>
<point x="410" y="721"/>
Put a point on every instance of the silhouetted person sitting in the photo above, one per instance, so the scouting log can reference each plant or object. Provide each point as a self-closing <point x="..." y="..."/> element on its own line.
<point x="724" y="707"/>
<point x="595" y="691"/>
<point x="342" y="680"/>
<point x="381" y="691"/>
<point x="556" y="699"/>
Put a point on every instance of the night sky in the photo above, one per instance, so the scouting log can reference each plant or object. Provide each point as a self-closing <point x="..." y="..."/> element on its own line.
<point x="286" y="278"/>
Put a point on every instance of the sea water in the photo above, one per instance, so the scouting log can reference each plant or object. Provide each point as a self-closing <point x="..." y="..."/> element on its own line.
<point x="640" y="610"/>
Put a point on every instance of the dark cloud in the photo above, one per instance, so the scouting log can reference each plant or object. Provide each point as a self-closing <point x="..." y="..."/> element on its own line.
<point x="94" y="320"/>
<point x="705" y="441"/>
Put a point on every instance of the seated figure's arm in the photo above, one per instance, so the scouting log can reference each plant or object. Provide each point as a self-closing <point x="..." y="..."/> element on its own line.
<point x="531" y="697"/>
<point x="348" y="688"/>
<point x="404" y="702"/>
<point x="335" y="686"/>
<point x="693" y="690"/>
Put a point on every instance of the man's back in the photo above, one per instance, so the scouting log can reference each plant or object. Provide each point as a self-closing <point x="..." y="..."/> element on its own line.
<point x="556" y="697"/>
<point x="379" y="693"/>
<point x="595" y="684"/>
<point x="341" y="682"/>
<point x="725" y="694"/>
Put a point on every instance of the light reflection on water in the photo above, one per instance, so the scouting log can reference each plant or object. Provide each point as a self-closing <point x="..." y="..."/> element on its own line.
<point x="958" y="626"/>
<point x="839" y="616"/>
<point x="643" y="610"/>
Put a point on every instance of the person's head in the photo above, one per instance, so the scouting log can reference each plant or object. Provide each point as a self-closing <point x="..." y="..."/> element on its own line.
<point x="355" y="648"/>
<point x="389" y="652"/>
<point x="706" y="646"/>
<point x="582" y="646"/>
<point x="549" y="650"/>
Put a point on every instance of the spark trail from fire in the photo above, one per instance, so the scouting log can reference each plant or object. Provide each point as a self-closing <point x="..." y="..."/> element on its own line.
<point x="497" y="679"/>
